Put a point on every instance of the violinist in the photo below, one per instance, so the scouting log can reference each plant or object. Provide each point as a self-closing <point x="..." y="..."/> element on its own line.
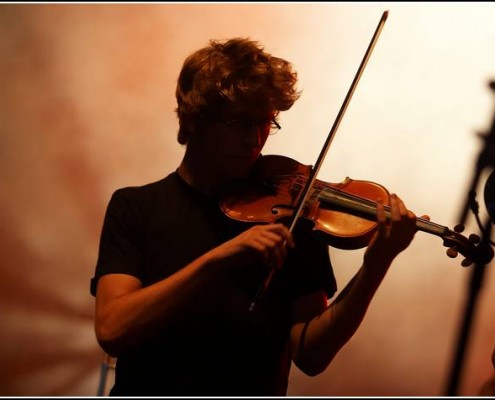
<point x="175" y="276"/>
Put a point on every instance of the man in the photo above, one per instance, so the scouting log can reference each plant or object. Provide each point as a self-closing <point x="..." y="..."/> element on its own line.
<point x="175" y="276"/>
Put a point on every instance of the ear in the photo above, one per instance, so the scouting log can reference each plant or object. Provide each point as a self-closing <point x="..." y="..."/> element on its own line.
<point x="187" y="129"/>
<point x="183" y="135"/>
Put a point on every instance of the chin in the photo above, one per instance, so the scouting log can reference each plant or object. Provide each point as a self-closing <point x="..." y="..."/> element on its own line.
<point x="237" y="172"/>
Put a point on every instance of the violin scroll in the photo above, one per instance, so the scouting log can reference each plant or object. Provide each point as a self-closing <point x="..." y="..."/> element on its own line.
<point x="471" y="248"/>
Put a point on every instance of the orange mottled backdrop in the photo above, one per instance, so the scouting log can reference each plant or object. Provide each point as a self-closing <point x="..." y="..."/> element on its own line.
<point x="87" y="106"/>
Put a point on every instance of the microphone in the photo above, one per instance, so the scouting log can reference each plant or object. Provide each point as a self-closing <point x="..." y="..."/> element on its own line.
<point x="489" y="195"/>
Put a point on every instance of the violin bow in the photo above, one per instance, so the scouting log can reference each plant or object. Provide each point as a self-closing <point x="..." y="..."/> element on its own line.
<point x="314" y="171"/>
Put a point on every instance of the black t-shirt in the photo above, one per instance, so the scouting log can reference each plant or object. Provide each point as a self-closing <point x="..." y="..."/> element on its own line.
<point x="152" y="231"/>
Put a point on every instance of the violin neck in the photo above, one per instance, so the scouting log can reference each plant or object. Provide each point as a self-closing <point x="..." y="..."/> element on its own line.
<point x="341" y="201"/>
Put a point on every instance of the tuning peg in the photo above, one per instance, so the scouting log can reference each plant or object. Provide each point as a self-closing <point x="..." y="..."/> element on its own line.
<point x="452" y="253"/>
<point x="459" y="228"/>
<point x="466" y="262"/>
<point x="474" y="238"/>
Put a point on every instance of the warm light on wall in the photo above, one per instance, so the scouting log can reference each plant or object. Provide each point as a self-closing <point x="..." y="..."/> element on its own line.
<point x="87" y="106"/>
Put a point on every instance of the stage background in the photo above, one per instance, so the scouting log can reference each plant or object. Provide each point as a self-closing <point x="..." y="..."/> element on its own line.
<point x="86" y="107"/>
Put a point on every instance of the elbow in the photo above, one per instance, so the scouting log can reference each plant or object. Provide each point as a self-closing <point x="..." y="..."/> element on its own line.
<point x="313" y="366"/>
<point x="109" y="349"/>
<point x="312" y="371"/>
<point x="108" y="339"/>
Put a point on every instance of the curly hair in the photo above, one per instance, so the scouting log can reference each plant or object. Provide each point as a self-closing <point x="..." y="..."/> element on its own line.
<point x="229" y="73"/>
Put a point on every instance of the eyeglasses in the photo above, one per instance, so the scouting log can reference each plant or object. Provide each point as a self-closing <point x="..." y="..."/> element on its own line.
<point x="248" y="123"/>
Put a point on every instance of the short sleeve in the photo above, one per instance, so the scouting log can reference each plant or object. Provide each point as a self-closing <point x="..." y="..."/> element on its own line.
<point x="121" y="247"/>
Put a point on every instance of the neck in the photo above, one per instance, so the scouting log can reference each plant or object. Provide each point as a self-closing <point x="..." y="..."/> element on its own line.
<point x="195" y="173"/>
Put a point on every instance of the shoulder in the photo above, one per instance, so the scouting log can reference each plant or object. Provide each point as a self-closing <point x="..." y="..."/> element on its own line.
<point x="147" y="191"/>
<point x="169" y="181"/>
<point x="142" y="200"/>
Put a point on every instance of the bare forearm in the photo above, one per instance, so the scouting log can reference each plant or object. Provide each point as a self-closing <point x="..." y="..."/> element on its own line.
<point x="326" y="334"/>
<point x="131" y="317"/>
<point x="316" y="342"/>
<point x="127" y="313"/>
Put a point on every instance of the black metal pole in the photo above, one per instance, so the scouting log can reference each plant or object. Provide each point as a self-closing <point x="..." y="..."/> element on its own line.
<point x="486" y="159"/>
<point x="474" y="289"/>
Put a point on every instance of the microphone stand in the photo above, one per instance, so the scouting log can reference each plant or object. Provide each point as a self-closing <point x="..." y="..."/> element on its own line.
<point x="486" y="159"/>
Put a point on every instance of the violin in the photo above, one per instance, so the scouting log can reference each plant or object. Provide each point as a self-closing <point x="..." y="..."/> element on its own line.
<point x="343" y="213"/>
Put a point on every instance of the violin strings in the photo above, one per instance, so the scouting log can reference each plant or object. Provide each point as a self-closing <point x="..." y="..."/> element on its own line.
<point x="347" y="200"/>
<point x="358" y="203"/>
